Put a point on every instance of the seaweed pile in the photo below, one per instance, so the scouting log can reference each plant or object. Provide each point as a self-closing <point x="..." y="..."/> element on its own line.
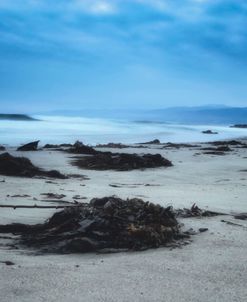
<point x="230" y="142"/>
<point x="107" y="224"/>
<point x="52" y="146"/>
<point x="114" y="145"/>
<point x="92" y="159"/>
<point x="80" y="148"/>
<point x="121" y="161"/>
<point x="22" y="166"/>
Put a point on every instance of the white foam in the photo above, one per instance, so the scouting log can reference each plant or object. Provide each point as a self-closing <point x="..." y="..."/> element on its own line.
<point x="60" y="129"/>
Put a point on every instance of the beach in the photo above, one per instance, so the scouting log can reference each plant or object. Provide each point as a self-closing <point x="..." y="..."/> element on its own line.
<point x="211" y="267"/>
<point x="123" y="151"/>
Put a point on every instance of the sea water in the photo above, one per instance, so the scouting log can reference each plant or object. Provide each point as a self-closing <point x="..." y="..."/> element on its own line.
<point x="59" y="129"/>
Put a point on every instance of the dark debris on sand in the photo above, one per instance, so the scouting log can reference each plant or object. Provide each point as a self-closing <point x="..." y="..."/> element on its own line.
<point x="224" y="148"/>
<point x="22" y="166"/>
<point x="178" y="146"/>
<point x="230" y="142"/>
<point x="113" y="145"/>
<point x="121" y="161"/>
<point x="52" y="146"/>
<point x="107" y="224"/>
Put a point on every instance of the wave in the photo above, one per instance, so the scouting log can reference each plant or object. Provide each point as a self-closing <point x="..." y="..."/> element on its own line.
<point x="61" y="129"/>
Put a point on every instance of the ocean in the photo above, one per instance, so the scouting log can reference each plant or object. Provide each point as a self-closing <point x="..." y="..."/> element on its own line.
<point x="60" y="129"/>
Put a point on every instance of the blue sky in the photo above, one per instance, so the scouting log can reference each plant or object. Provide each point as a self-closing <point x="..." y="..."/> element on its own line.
<point x="95" y="54"/>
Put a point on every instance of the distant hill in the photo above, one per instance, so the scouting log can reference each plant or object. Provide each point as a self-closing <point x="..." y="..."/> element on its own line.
<point x="200" y="115"/>
<point x="16" y="117"/>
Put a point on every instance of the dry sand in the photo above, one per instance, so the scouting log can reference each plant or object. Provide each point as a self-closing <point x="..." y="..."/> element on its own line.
<point x="211" y="268"/>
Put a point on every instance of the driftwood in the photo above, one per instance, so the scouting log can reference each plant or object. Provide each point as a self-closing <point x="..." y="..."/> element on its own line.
<point x="39" y="207"/>
<point x="195" y="211"/>
<point x="234" y="224"/>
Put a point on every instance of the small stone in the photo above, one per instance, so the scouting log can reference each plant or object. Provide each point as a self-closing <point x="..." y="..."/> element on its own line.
<point x="9" y="263"/>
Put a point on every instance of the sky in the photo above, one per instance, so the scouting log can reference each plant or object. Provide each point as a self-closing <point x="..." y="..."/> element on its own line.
<point x="135" y="54"/>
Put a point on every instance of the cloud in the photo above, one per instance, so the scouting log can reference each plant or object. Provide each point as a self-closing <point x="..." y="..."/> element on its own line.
<point x="133" y="48"/>
<point x="97" y="7"/>
<point x="86" y="6"/>
<point x="126" y="29"/>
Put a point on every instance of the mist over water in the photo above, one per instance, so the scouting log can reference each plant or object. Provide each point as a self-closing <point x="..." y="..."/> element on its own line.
<point x="59" y="129"/>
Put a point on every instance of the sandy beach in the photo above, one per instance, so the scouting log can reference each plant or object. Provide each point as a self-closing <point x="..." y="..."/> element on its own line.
<point x="123" y="151"/>
<point x="212" y="267"/>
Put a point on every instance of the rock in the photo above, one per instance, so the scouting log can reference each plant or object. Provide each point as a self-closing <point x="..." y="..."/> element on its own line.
<point x="244" y="126"/>
<point x="2" y="148"/>
<point x="153" y="142"/>
<point x="209" y="132"/>
<point x="202" y="230"/>
<point x="80" y="148"/>
<point x="121" y="161"/>
<point x="21" y="166"/>
<point x="29" y="147"/>
<point x="8" y="262"/>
